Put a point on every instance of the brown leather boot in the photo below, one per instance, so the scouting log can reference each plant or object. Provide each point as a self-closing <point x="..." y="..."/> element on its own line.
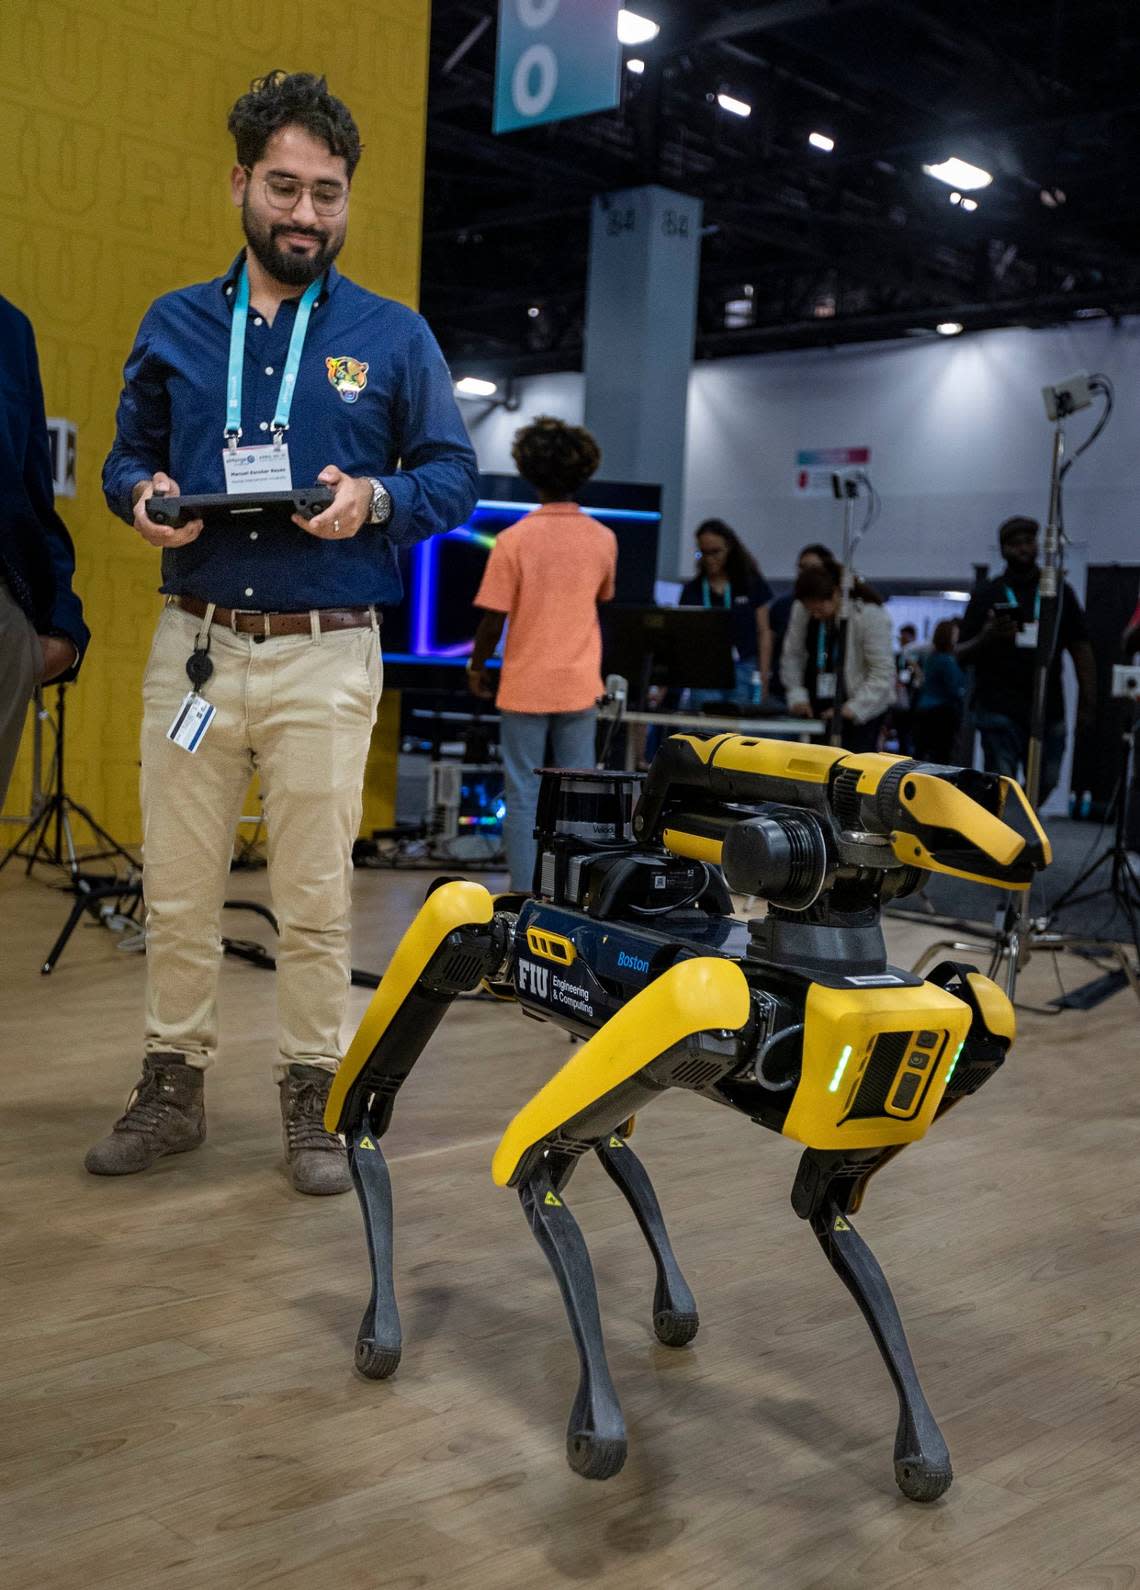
<point x="315" y="1159"/>
<point x="165" y="1115"/>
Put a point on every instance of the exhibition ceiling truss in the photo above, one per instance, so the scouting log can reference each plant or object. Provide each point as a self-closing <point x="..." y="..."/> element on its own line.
<point x="803" y="246"/>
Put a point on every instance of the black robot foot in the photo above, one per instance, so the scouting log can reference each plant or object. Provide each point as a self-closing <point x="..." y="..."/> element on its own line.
<point x="594" y="1457"/>
<point x="920" y="1482"/>
<point x="673" y="1329"/>
<point x="375" y="1361"/>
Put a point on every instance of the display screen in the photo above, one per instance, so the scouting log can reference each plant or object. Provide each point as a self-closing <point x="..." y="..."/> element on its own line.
<point x="442" y="575"/>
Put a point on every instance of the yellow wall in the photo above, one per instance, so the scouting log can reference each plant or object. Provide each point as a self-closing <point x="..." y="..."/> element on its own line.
<point x="114" y="188"/>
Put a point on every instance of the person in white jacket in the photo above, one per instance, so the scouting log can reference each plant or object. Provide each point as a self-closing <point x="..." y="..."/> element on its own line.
<point x="809" y="667"/>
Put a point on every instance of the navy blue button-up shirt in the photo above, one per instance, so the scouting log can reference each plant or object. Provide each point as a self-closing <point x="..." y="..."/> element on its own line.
<point x="36" y="556"/>
<point x="373" y="396"/>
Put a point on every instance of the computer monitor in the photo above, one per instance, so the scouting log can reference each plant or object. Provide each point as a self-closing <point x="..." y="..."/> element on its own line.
<point x="678" y="647"/>
<point x="437" y="621"/>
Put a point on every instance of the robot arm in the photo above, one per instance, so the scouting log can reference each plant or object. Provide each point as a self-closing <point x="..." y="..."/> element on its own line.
<point x="821" y="808"/>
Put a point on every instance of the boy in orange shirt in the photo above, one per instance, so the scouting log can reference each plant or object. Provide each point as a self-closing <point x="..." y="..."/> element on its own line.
<point x="546" y="575"/>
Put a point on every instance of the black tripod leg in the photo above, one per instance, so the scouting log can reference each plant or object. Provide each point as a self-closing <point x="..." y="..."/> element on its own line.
<point x="675" y="1317"/>
<point x="922" y="1461"/>
<point x="81" y="903"/>
<point x="595" y="1436"/>
<point x="377" y="1352"/>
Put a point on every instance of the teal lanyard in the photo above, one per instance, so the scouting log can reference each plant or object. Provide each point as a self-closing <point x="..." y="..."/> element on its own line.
<point x="706" y="595"/>
<point x="237" y="360"/>
<point x="1036" y="602"/>
<point x="822" y="647"/>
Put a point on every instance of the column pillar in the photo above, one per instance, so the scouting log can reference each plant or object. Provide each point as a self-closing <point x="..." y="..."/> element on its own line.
<point x="640" y="321"/>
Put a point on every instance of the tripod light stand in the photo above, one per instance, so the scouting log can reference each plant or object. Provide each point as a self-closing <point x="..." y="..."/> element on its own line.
<point x="50" y="838"/>
<point x="1018" y="932"/>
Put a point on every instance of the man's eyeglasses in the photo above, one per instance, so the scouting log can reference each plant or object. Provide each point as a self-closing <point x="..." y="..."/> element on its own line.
<point x="284" y="193"/>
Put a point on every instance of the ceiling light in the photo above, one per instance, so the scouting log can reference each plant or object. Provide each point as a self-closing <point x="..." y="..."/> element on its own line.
<point x="736" y="107"/>
<point x="635" y="66"/>
<point x="955" y="198"/>
<point x="821" y="141"/>
<point x="959" y="174"/>
<point x="969" y="204"/>
<point x="633" y="29"/>
<point x="949" y="328"/>
<point x="472" y="386"/>
<point x="534" y="311"/>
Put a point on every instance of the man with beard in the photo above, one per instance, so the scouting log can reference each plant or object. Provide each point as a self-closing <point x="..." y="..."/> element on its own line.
<point x="998" y="639"/>
<point x="278" y="374"/>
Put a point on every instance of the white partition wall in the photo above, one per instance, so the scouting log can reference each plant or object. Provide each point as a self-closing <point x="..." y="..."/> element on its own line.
<point x="958" y="440"/>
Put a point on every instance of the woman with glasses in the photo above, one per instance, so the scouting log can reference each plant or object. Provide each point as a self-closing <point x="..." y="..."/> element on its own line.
<point x="728" y="576"/>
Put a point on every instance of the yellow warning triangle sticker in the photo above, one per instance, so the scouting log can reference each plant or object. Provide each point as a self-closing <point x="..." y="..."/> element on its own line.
<point x="616" y="1142"/>
<point x="555" y="1203"/>
<point x="366" y="1142"/>
<point x="840" y="1224"/>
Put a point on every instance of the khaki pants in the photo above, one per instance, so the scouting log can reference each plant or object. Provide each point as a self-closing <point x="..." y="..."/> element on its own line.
<point x="21" y="669"/>
<point x="299" y="710"/>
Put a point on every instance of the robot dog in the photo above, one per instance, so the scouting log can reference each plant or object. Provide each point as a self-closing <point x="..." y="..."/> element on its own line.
<point x="794" y="1019"/>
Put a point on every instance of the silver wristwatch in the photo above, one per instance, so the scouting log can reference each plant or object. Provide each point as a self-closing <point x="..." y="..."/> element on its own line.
<point x="381" y="510"/>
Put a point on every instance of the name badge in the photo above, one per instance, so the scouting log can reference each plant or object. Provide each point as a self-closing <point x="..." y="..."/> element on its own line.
<point x="1027" y="635"/>
<point x="256" y="469"/>
<point x="193" y="718"/>
<point x="825" y="686"/>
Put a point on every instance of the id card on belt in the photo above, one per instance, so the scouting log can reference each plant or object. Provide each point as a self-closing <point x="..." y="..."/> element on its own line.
<point x="193" y="718"/>
<point x="825" y="686"/>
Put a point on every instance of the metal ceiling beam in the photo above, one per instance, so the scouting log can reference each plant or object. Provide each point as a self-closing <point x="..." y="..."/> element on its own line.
<point x="778" y="14"/>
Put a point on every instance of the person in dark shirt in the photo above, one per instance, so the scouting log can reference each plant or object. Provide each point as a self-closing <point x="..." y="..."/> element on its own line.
<point x="728" y="576"/>
<point x="998" y="639"/>
<point x="273" y="625"/>
<point x="938" y="702"/>
<point x="813" y="556"/>
<point x="42" y="633"/>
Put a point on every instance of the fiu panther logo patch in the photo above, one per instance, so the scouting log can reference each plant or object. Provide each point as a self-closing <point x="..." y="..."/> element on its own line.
<point x="349" y="376"/>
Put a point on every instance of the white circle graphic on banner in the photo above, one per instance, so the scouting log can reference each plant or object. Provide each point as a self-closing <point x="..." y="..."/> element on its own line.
<point x="540" y="59"/>
<point x="536" y="13"/>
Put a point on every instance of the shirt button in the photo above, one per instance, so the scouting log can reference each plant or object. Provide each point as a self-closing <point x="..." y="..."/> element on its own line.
<point x="265" y="425"/>
<point x="252" y="537"/>
<point x="257" y="320"/>
<point x="249" y="590"/>
<point x="269" y="369"/>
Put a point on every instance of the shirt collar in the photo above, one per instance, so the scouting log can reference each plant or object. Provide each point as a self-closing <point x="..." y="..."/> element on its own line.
<point x="229" y="281"/>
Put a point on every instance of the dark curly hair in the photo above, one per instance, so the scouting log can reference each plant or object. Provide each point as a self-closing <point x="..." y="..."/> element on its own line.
<point x="292" y="99"/>
<point x="558" y="459"/>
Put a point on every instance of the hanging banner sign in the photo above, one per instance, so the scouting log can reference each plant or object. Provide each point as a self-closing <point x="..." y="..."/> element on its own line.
<point x="815" y="467"/>
<point x="556" y="59"/>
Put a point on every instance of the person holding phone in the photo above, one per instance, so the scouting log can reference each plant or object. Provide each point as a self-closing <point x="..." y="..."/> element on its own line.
<point x="998" y="639"/>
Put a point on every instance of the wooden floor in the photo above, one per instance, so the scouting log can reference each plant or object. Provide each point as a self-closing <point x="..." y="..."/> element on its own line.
<point x="178" y="1406"/>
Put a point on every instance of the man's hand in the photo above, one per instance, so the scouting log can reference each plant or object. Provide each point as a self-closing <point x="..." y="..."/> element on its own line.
<point x="350" y="507"/>
<point x="802" y="709"/>
<point x="999" y="626"/>
<point x="847" y="711"/>
<point x="161" y="535"/>
<point x="59" y="656"/>
<point x="481" y="684"/>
